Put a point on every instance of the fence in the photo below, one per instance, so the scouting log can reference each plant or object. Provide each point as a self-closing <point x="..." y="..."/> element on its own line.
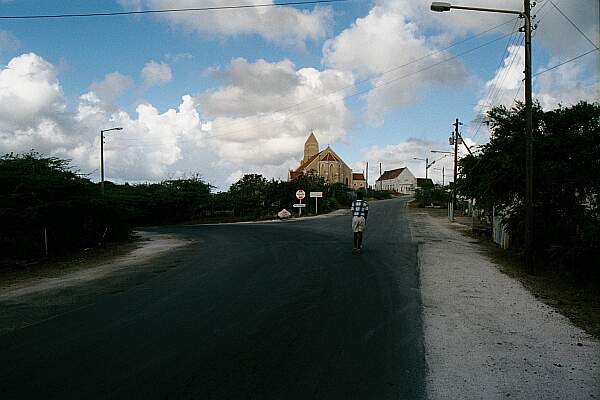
<point x="499" y="230"/>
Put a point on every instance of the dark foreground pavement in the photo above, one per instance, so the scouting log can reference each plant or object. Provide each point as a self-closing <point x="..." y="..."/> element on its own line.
<point x="250" y="311"/>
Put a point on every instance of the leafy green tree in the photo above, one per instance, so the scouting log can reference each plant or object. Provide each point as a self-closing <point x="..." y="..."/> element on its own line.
<point x="248" y="195"/>
<point x="566" y="173"/>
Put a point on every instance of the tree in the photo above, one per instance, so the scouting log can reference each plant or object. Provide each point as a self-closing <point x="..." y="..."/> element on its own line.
<point x="566" y="173"/>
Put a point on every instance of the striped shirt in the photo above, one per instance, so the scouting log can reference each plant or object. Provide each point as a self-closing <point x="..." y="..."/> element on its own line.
<point x="359" y="207"/>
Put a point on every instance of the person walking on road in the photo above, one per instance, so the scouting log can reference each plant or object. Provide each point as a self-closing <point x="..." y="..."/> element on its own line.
<point x="360" y="210"/>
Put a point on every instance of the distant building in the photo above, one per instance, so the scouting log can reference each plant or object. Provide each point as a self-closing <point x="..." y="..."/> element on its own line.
<point x="327" y="164"/>
<point x="399" y="180"/>
<point x="358" y="181"/>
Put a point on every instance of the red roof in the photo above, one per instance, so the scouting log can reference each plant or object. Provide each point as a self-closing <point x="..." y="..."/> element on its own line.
<point x="296" y="173"/>
<point x="358" y="176"/>
<point x="391" y="174"/>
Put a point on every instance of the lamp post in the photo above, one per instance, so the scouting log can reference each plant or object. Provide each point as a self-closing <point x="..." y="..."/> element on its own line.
<point x="427" y="165"/>
<point x="102" y="155"/>
<point x="526" y="15"/>
<point x="443" y="175"/>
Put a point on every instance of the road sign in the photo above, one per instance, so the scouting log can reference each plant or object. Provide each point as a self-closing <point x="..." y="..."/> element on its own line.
<point x="316" y="194"/>
<point x="300" y="194"/>
<point x="301" y="205"/>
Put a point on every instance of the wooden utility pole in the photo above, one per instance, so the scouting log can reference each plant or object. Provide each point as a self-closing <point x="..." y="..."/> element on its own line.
<point x="456" y="138"/>
<point x="367" y="177"/>
<point x="528" y="144"/>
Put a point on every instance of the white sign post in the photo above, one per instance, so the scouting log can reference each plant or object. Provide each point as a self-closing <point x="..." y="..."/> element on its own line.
<point x="316" y="195"/>
<point x="300" y="194"/>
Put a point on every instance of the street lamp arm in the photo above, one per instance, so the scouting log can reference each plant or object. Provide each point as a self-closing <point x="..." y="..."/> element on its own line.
<point x="439" y="6"/>
<point x="496" y="10"/>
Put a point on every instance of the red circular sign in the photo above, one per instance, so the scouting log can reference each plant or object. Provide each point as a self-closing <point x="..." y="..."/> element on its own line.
<point x="300" y="194"/>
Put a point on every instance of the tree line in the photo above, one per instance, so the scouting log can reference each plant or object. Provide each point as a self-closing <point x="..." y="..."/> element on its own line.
<point x="566" y="179"/>
<point x="46" y="207"/>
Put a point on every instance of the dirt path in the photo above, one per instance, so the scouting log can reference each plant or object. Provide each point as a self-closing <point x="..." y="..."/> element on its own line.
<point x="72" y="274"/>
<point x="486" y="336"/>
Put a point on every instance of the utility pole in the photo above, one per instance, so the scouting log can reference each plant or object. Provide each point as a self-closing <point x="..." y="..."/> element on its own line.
<point x="456" y="124"/>
<point x="379" y="169"/>
<point x="102" y="156"/>
<point x="443" y="175"/>
<point x="439" y="6"/>
<point x="367" y="177"/>
<point x="102" y="162"/>
<point x="529" y="218"/>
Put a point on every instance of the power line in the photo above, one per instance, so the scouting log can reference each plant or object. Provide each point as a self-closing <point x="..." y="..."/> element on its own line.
<point x="379" y="85"/>
<point x="572" y="23"/>
<point x="497" y="89"/>
<point x="385" y="72"/>
<point x="318" y="107"/>
<point x="494" y="87"/>
<point x="171" y="10"/>
<point x="567" y="61"/>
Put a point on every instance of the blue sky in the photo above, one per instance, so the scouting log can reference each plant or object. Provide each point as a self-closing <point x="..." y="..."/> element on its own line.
<point x="223" y="93"/>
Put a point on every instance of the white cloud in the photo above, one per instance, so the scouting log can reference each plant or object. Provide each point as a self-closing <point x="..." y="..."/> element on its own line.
<point x="8" y="41"/>
<point x="385" y="46"/>
<point x="283" y="25"/>
<point x="503" y="87"/>
<point x="155" y="73"/>
<point x="569" y="83"/>
<point x="29" y="92"/>
<point x="262" y="114"/>
<point x="111" y="87"/>
<point x="153" y="145"/>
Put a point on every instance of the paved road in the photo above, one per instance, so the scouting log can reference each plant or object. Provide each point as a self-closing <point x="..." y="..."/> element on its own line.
<point x="251" y="311"/>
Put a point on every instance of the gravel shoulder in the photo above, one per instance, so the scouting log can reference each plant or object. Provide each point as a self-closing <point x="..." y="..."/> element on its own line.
<point x="486" y="335"/>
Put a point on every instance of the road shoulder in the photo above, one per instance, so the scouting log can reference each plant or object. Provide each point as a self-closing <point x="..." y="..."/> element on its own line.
<point x="486" y="336"/>
<point x="61" y="275"/>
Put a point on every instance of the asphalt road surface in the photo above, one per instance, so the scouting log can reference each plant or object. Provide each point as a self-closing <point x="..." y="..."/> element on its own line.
<point x="249" y="311"/>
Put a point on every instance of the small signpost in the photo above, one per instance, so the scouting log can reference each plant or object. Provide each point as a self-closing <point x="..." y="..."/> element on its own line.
<point x="316" y="195"/>
<point x="300" y="194"/>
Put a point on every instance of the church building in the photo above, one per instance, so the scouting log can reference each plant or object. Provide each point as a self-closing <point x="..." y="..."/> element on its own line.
<point x="327" y="164"/>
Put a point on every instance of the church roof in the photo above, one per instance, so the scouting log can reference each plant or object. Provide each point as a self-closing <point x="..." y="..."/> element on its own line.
<point x="296" y="173"/>
<point x="391" y="174"/>
<point x="329" y="157"/>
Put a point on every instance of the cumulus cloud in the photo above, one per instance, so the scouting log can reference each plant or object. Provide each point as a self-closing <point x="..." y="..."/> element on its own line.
<point x="246" y="135"/>
<point x="568" y="84"/>
<point x="284" y="25"/>
<point x="111" y="87"/>
<point x="155" y="73"/>
<point x="33" y="115"/>
<point x="502" y="88"/>
<point x="262" y="113"/>
<point x="389" y="47"/>
<point x="29" y="92"/>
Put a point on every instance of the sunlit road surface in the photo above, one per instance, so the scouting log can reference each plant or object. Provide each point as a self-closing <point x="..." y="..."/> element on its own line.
<point x="250" y="311"/>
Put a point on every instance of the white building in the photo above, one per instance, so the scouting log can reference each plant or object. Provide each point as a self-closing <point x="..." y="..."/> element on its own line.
<point x="399" y="180"/>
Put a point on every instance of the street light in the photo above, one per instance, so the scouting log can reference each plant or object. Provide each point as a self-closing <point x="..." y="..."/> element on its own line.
<point x="439" y="6"/>
<point x="443" y="175"/>
<point x="102" y="155"/>
<point x="427" y="165"/>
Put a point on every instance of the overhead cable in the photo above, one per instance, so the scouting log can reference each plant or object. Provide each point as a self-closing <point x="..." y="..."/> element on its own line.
<point x="567" y="61"/>
<point x="574" y="25"/>
<point x="171" y="10"/>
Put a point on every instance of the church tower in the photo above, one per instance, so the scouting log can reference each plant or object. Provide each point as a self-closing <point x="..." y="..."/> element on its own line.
<point x="311" y="147"/>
